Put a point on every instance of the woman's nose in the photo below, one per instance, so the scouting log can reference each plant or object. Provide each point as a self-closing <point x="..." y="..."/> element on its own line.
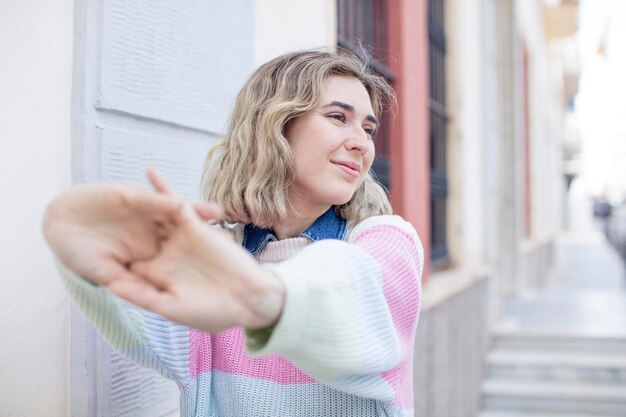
<point x="360" y="141"/>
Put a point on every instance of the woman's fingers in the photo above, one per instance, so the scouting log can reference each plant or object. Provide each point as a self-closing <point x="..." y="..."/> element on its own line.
<point x="149" y="270"/>
<point x="162" y="187"/>
<point x="205" y="211"/>
<point x="141" y="293"/>
<point x="208" y="211"/>
<point x="111" y="271"/>
<point x="159" y="182"/>
<point x="154" y="205"/>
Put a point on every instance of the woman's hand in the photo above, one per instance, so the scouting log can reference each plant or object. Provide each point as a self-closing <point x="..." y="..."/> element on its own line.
<point x="98" y="230"/>
<point x="202" y="278"/>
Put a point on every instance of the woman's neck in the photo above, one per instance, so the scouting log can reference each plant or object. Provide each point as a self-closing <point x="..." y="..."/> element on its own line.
<point x="297" y="222"/>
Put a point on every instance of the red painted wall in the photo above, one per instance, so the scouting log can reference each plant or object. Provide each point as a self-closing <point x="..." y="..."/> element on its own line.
<point x="409" y="153"/>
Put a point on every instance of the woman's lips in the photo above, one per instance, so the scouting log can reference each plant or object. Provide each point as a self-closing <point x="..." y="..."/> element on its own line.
<point x="349" y="168"/>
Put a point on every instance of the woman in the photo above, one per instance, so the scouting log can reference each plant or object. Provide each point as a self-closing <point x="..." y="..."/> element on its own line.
<point x="309" y="305"/>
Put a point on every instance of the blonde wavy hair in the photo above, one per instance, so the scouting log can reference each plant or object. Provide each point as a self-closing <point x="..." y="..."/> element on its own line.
<point x="249" y="172"/>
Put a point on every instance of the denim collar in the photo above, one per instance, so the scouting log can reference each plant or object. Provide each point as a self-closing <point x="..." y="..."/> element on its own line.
<point x="327" y="226"/>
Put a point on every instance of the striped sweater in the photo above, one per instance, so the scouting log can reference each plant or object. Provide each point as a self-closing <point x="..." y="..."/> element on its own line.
<point x="342" y="347"/>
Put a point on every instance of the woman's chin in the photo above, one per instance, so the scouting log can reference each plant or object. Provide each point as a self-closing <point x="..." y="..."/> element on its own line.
<point x="343" y="199"/>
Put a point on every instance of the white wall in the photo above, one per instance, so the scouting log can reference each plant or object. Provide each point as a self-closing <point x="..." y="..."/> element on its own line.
<point x="465" y="68"/>
<point x="545" y="121"/>
<point x="290" y="25"/>
<point x="36" y="40"/>
<point x="35" y="87"/>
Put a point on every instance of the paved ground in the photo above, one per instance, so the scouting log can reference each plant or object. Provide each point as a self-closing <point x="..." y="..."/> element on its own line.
<point x="587" y="297"/>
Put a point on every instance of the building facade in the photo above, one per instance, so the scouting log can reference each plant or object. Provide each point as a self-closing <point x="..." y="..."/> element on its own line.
<point x="97" y="91"/>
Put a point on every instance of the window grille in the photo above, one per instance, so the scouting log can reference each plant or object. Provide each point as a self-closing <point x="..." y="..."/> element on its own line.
<point x="365" y="22"/>
<point x="438" y="120"/>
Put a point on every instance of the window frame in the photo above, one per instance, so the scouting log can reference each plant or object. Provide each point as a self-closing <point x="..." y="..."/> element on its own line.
<point x="438" y="134"/>
<point x="366" y="23"/>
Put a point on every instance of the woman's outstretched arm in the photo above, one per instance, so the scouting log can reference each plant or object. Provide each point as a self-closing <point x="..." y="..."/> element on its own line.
<point x="202" y="278"/>
<point x="96" y="231"/>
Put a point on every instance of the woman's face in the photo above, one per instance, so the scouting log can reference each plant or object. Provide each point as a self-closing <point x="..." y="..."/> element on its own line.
<point x="332" y="144"/>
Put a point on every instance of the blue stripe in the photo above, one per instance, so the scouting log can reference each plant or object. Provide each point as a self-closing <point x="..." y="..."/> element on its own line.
<point x="238" y="395"/>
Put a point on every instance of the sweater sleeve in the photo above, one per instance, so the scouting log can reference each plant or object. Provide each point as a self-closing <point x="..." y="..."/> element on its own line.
<point x="146" y="338"/>
<point x="351" y="308"/>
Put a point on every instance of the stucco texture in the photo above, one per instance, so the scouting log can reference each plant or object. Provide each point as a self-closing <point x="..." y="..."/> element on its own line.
<point x="35" y="94"/>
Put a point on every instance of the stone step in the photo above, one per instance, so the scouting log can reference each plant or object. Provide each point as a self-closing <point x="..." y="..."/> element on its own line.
<point x="563" y="342"/>
<point x="547" y="366"/>
<point x="504" y="413"/>
<point x="525" y="396"/>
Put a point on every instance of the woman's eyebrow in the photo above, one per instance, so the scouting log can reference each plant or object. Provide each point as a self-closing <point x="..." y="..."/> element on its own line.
<point x="350" y="108"/>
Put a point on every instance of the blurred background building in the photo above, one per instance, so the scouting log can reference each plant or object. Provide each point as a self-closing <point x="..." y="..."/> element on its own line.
<point x="486" y="154"/>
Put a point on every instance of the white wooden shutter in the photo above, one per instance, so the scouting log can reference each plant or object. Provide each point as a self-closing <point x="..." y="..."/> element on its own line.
<point x="154" y="81"/>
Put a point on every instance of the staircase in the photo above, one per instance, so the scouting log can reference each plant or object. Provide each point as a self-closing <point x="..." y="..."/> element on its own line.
<point x="554" y="375"/>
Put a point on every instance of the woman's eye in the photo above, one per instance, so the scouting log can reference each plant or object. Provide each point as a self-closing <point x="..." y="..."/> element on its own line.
<point x="337" y="116"/>
<point x="369" y="130"/>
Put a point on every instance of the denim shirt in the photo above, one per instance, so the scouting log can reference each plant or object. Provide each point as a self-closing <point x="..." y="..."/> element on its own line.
<point x="327" y="226"/>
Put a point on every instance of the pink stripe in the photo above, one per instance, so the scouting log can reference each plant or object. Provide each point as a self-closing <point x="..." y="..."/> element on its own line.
<point x="401" y="273"/>
<point x="200" y="358"/>
<point x="229" y="356"/>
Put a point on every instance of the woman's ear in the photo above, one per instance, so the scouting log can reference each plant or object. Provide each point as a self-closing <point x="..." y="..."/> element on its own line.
<point x="287" y="126"/>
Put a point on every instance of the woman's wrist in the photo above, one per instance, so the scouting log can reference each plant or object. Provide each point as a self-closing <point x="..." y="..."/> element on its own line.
<point x="265" y="301"/>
